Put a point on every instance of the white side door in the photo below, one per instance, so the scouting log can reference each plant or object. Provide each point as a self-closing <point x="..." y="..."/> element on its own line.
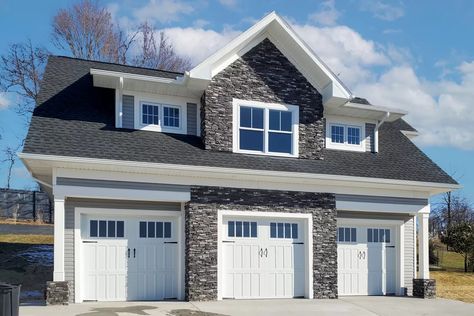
<point x="263" y="258"/>
<point x="152" y="272"/>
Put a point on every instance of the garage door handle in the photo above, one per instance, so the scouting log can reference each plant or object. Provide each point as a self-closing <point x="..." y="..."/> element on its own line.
<point x="260" y="253"/>
<point x="266" y="252"/>
<point x="128" y="252"/>
<point x="134" y="252"/>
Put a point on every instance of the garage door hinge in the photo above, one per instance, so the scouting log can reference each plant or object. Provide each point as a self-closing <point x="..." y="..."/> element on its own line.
<point x="89" y="241"/>
<point x="171" y="242"/>
<point x="298" y="243"/>
<point x="390" y="246"/>
<point x="230" y="241"/>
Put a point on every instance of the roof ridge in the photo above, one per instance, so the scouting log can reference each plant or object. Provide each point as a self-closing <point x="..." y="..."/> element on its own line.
<point x="111" y="63"/>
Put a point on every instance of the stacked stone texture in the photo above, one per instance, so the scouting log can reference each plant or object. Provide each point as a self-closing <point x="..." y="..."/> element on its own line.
<point x="201" y="232"/>
<point x="424" y="288"/>
<point x="263" y="74"/>
<point x="57" y="293"/>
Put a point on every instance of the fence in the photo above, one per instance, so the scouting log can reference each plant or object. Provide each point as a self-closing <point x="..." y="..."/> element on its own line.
<point x="25" y="205"/>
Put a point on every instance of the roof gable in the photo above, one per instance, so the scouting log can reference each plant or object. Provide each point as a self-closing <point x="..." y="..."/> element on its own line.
<point x="280" y="33"/>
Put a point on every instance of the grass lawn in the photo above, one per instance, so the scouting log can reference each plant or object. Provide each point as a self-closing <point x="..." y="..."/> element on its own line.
<point x="26" y="239"/>
<point x="453" y="283"/>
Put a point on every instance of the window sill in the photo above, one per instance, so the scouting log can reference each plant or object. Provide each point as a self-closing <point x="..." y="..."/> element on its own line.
<point x="251" y="152"/>
<point x="346" y="147"/>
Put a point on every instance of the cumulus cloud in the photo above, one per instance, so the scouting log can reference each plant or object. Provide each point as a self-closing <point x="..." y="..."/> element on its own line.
<point x="440" y="110"/>
<point x="327" y="14"/>
<point x="382" y="10"/>
<point x="4" y="101"/>
<point x="163" y="11"/>
<point x="198" y="43"/>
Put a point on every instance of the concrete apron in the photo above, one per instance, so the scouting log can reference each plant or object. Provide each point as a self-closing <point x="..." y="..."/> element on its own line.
<point x="356" y="306"/>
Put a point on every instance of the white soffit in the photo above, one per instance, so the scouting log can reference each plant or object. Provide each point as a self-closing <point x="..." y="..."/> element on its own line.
<point x="290" y="44"/>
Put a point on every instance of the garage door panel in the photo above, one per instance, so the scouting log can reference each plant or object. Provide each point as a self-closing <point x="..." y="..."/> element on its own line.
<point x="261" y="263"/>
<point x="364" y="265"/>
<point x="126" y="263"/>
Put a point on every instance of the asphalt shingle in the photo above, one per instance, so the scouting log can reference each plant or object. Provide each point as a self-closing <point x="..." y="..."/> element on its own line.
<point x="75" y="119"/>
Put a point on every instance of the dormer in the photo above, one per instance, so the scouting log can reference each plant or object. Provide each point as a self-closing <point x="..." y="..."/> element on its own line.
<point x="264" y="93"/>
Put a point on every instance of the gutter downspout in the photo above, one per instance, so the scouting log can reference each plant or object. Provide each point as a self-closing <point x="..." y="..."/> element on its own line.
<point x="376" y="132"/>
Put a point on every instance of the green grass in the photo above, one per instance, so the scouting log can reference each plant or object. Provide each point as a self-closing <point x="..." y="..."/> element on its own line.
<point x="26" y="239"/>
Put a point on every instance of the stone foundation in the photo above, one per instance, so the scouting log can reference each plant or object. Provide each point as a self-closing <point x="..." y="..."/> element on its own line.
<point x="57" y="293"/>
<point x="424" y="288"/>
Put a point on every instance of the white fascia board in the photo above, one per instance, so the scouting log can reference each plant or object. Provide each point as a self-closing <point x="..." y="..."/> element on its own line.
<point x="230" y="174"/>
<point x="231" y="51"/>
<point x="115" y="74"/>
<point x="410" y="134"/>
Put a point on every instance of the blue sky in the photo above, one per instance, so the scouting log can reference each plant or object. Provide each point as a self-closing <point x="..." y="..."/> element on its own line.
<point x="414" y="55"/>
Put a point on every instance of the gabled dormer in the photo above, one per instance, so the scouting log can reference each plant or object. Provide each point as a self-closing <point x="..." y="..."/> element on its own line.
<point x="264" y="93"/>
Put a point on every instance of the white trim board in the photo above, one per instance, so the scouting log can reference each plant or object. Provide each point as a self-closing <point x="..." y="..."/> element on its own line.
<point x="199" y="174"/>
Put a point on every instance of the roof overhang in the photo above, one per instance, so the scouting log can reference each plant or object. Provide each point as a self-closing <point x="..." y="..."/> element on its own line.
<point x="280" y="33"/>
<point x="366" y="111"/>
<point x="42" y="166"/>
<point x="143" y="83"/>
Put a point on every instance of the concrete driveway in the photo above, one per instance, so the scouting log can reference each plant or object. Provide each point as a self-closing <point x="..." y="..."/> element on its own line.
<point x="398" y="306"/>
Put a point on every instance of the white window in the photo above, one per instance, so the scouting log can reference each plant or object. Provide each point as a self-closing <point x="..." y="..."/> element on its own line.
<point x="264" y="128"/>
<point x="347" y="234"/>
<point x="345" y="135"/>
<point x="163" y="116"/>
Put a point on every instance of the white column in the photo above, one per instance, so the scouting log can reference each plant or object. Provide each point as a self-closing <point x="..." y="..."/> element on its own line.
<point x="423" y="237"/>
<point x="59" y="211"/>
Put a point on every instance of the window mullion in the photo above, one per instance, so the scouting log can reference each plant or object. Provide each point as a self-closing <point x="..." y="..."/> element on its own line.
<point x="266" y="119"/>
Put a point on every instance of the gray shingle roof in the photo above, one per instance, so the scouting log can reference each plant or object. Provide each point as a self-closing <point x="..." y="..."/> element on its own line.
<point x="76" y="119"/>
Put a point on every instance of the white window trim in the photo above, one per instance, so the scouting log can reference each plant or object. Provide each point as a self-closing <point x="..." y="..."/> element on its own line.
<point x="294" y="109"/>
<point x="160" y="127"/>
<point x="345" y="123"/>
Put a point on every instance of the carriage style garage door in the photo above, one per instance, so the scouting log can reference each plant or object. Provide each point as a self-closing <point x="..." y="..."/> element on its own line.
<point x="262" y="258"/>
<point x="127" y="258"/>
<point x="366" y="259"/>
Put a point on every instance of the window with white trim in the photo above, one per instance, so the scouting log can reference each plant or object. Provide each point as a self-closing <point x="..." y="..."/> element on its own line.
<point x="345" y="135"/>
<point x="160" y="115"/>
<point x="266" y="129"/>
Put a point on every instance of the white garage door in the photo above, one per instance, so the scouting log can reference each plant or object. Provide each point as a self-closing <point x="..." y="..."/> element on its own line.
<point x="129" y="258"/>
<point x="263" y="258"/>
<point x="366" y="260"/>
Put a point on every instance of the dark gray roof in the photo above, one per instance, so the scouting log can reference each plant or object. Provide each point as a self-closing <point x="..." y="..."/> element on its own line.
<point x="76" y="119"/>
<point x="360" y="100"/>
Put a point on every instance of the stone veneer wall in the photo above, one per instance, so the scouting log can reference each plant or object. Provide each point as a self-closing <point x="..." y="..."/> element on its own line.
<point x="262" y="74"/>
<point x="424" y="288"/>
<point x="201" y="233"/>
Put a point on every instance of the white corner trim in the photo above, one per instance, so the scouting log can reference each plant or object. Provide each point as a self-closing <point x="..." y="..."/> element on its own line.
<point x="59" y="228"/>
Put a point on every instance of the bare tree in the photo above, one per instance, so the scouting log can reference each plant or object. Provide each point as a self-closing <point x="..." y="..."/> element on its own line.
<point x="21" y="71"/>
<point x="10" y="159"/>
<point x="158" y="53"/>
<point x="87" y="31"/>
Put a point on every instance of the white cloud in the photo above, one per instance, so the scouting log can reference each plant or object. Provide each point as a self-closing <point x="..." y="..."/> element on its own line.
<point x="198" y="43"/>
<point x="382" y="10"/>
<point x="228" y="3"/>
<point x="163" y="11"/>
<point x="440" y="110"/>
<point x="327" y="15"/>
<point x="4" y="101"/>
